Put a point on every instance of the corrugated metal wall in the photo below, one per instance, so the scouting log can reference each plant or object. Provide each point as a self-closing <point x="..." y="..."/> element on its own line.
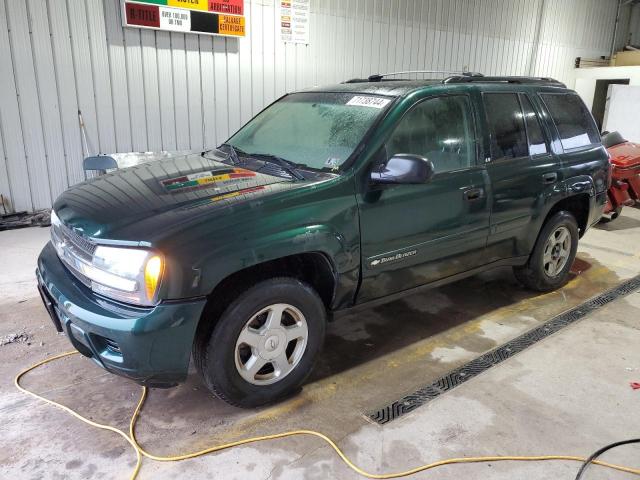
<point x="144" y="90"/>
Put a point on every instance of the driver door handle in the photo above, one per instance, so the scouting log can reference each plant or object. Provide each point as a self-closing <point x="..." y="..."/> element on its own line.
<point x="548" y="178"/>
<point x="473" y="194"/>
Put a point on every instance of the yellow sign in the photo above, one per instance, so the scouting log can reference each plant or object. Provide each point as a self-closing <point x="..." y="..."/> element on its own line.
<point x="230" y="25"/>
<point x="189" y="4"/>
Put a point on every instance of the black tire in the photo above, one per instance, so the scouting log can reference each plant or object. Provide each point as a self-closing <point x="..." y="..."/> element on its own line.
<point x="215" y="356"/>
<point x="533" y="275"/>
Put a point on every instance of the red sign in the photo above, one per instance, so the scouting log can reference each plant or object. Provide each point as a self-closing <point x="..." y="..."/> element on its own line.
<point x="143" y="15"/>
<point x="233" y="7"/>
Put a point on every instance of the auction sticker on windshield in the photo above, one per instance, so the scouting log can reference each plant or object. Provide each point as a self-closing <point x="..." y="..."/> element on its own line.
<point x="362" y="101"/>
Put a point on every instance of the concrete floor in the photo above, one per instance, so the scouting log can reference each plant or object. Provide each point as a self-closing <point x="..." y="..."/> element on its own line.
<point x="568" y="394"/>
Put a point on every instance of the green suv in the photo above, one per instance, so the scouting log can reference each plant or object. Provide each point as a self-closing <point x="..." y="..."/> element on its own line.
<point x="329" y="200"/>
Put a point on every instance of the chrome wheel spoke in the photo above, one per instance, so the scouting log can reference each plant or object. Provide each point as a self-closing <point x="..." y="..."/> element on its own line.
<point x="252" y="367"/>
<point x="559" y="264"/>
<point x="294" y="332"/>
<point x="281" y="364"/>
<point x="249" y="337"/>
<point x="550" y="268"/>
<point x="274" y="316"/>
<point x="562" y="236"/>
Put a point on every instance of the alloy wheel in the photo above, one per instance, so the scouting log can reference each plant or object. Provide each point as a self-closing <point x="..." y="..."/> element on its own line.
<point x="557" y="250"/>
<point x="271" y="344"/>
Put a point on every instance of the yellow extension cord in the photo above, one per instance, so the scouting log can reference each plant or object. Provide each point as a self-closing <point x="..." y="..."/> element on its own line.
<point x="140" y="452"/>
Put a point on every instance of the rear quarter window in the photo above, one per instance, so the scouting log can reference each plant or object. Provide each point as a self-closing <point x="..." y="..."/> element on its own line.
<point x="573" y="121"/>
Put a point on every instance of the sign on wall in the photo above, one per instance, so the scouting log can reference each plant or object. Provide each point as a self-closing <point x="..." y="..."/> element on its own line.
<point x="294" y="21"/>
<point x="208" y="17"/>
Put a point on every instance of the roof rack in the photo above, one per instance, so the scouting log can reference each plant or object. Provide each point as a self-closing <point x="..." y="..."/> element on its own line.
<point x="379" y="77"/>
<point x="505" y="79"/>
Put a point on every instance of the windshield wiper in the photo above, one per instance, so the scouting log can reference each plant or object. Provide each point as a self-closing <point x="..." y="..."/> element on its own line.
<point x="286" y="165"/>
<point x="234" y="153"/>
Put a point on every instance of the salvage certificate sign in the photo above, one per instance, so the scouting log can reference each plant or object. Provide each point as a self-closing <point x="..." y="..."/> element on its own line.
<point x="208" y="17"/>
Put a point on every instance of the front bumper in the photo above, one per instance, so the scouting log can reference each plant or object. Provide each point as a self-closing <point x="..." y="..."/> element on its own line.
<point x="149" y="345"/>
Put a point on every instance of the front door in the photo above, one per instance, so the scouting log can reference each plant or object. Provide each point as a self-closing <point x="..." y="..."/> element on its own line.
<point x="416" y="234"/>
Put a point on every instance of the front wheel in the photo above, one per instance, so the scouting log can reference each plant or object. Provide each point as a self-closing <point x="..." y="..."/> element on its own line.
<point x="553" y="254"/>
<point x="264" y="344"/>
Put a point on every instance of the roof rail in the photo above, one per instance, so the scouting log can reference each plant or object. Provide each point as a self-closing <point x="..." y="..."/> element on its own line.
<point x="505" y="79"/>
<point x="378" y="77"/>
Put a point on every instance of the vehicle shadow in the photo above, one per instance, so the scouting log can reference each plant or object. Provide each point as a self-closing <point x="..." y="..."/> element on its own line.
<point x="621" y="223"/>
<point x="367" y="335"/>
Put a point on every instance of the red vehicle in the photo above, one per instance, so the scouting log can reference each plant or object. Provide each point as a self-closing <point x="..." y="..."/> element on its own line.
<point x="625" y="173"/>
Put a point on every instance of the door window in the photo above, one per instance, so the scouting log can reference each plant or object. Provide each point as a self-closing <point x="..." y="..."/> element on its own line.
<point x="439" y="129"/>
<point x="506" y="126"/>
<point x="572" y="119"/>
<point x="537" y="144"/>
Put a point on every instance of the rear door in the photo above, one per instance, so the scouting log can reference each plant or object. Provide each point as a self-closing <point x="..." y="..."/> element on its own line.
<point x="415" y="234"/>
<point x="585" y="161"/>
<point x="524" y="172"/>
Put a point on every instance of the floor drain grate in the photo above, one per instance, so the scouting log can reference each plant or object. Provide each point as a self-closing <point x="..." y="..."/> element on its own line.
<point x="482" y="363"/>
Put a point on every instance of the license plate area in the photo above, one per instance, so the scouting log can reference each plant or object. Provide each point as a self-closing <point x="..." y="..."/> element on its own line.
<point x="49" y="305"/>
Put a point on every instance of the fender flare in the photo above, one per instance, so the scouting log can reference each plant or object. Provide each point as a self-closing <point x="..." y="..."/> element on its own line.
<point x="315" y="239"/>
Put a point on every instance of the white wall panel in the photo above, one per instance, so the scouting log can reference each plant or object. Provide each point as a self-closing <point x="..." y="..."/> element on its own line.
<point x="29" y="106"/>
<point x="194" y="91"/>
<point x="220" y="91"/>
<point x="67" y="97"/>
<point x="145" y="90"/>
<point x="119" y="74"/>
<point x="180" y="90"/>
<point x="47" y="97"/>
<point x="98" y="50"/>
<point x="135" y="90"/>
<point x="208" y="91"/>
<point x="15" y="186"/>
<point x="150" y="75"/>
<point x="84" y="84"/>
<point x="166" y="89"/>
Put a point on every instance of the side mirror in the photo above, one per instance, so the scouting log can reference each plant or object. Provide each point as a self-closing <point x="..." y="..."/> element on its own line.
<point x="404" y="168"/>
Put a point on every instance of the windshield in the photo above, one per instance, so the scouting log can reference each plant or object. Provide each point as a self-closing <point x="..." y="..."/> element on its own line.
<point x="317" y="130"/>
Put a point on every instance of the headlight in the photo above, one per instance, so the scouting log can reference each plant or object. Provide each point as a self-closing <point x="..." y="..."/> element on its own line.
<point x="128" y="274"/>
<point x="131" y="275"/>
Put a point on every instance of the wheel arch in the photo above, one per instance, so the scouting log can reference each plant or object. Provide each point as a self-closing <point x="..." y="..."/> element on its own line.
<point x="315" y="268"/>
<point x="578" y="205"/>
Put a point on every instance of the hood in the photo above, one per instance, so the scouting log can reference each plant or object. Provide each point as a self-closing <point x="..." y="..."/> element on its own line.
<point x="141" y="203"/>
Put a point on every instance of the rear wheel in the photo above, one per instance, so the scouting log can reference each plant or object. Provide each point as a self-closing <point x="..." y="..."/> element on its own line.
<point x="553" y="254"/>
<point x="264" y="344"/>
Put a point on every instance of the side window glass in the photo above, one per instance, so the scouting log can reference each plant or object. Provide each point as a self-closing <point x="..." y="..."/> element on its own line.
<point x="537" y="144"/>
<point x="440" y="129"/>
<point x="572" y="119"/>
<point x="506" y="126"/>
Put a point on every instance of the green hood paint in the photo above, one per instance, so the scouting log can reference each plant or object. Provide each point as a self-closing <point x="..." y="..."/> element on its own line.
<point x="210" y="218"/>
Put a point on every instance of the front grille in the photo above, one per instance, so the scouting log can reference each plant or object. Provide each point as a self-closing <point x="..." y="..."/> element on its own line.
<point x="71" y="248"/>
<point x="72" y="237"/>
